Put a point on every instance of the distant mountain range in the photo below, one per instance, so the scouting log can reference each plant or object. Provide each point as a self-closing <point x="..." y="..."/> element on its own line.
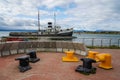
<point x="97" y="32"/>
<point x="16" y="30"/>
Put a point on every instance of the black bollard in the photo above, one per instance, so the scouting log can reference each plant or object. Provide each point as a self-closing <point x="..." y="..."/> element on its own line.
<point x="33" y="58"/>
<point x="23" y="63"/>
<point x="86" y="68"/>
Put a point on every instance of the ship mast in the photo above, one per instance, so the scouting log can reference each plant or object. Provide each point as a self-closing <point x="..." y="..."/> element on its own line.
<point x="55" y="22"/>
<point x="38" y="22"/>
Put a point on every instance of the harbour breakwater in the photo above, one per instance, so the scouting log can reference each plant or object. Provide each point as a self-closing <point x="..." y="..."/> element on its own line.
<point x="9" y="48"/>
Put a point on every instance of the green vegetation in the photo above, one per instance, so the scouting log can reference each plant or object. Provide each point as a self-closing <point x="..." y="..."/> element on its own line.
<point x="99" y="32"/>
<point x="104" y="47"/>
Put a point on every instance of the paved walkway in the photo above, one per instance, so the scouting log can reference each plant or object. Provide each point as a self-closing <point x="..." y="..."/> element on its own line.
<point x="51" y="67"/>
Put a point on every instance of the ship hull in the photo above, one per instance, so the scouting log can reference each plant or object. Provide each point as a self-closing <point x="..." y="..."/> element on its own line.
<point x="65" y="34"/>
<point x="36" y="34"/>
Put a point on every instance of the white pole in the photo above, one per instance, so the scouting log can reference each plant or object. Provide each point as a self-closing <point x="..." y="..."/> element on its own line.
<point x="55" y="21"/>
<point x="38" y="21"/>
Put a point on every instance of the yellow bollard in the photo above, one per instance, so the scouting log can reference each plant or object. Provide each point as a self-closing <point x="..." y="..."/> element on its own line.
<point x="92" y="54"/>
<point x="70" y="56"/>
<point x="105" y="60"/>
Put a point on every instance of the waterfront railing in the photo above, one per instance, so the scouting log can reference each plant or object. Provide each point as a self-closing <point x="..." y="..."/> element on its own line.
<point x="100" y="42"/>
<point x="93" y="42"/>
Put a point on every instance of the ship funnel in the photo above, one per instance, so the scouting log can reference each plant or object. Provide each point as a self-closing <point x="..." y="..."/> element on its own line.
<point x="49" y="24"/>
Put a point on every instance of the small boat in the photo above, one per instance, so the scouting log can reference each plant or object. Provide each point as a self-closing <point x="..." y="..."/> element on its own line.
<point x="49" y="31"/>
<point x="14" y="39"/>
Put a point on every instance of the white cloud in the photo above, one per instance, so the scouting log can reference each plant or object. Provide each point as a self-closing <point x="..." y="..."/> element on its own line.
<point x="54" y="3"/>
<point x="89" y="13"/>
<point x="86" y="14"/>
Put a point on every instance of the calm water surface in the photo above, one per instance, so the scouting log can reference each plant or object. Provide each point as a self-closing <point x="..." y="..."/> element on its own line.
<point x="87" y="38"/>
<point x="105" y="39"/>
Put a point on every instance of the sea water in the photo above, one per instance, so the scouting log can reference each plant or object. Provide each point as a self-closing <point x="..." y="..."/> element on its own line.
<point x="107" y="39"/>
<point x="4" y="33"/>
<point x="98" y="39"/>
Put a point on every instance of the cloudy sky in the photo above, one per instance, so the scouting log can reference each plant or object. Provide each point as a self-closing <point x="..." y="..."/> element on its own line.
<point x="79" y="14"/>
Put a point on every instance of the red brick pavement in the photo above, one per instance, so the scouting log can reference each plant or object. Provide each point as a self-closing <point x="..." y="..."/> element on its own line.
<point x="51" y="67"/>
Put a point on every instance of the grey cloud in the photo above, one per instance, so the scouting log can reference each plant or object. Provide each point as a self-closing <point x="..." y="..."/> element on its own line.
<point x="2" y="22"/>
<point x="89" y="14"/>
<point x="117" y="6"/>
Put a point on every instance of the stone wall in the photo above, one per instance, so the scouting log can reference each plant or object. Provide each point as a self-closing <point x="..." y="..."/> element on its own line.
<point x="9" y="48"/>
